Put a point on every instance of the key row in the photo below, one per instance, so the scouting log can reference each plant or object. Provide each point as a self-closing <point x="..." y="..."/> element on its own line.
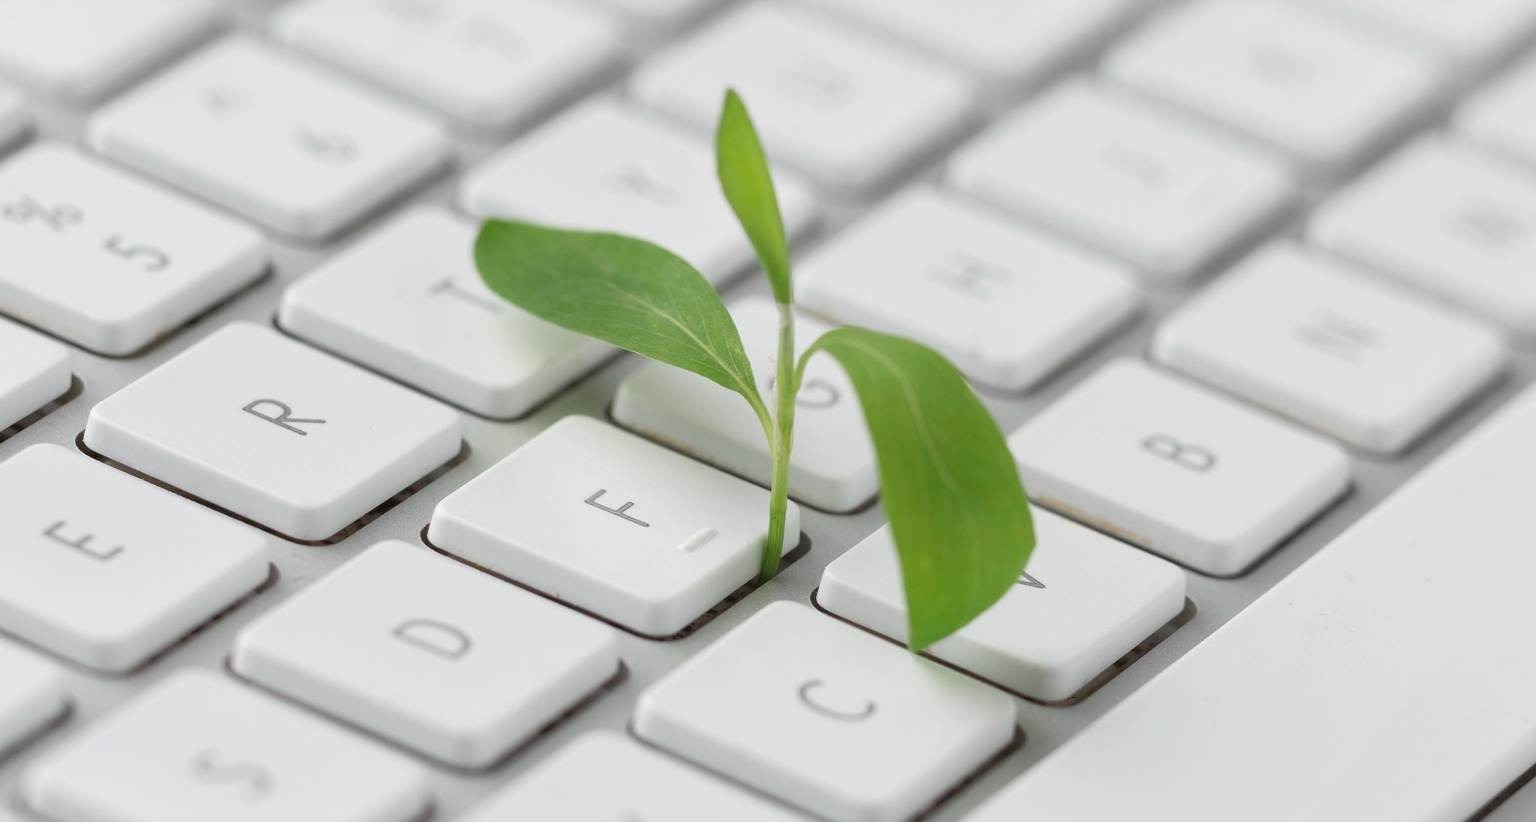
<point x="586" y="514"/>
<point x="318" y="443"/>
<point x="849" y="109"/>
<point x="814" y="713"/>
<point x="799" y="707"/>
<point x="472" y="55"/>
<point x="1189" y="196"/>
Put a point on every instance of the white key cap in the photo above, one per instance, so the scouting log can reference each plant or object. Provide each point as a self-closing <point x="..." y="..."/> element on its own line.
<point x="607" y="167"/>
<point x="1177" y="469"/>
<point x="430" y="653"/>
<point x="1005" y="303"/>
<point x="13" y="117"/>
<point x="200" y="747"/>
<point x="1311" y="704"/>
<point x="35" y="371"/>
<point x="1101" y="598"/>
<point x="263" y="134"/>
<point x="1287" y="77"/>
<point x="108" y="261"/>
<point x="408" y="302"/>
<point x="846" y="109"/>
<point x="1504" y="116"/>
<point x="1467" y="31"/>
<point x="1449" y="220"/>
<point x="32" y="694"/>
<point x="1182" y="195"/>
<point x="833" y="466"/>
<point x="1318" y="343"/>
<point x="82" y="49"/>
<point x="826" y="717"/>
<point x="108" y="570"/>
<point x="485" y="63"/>
<point x="1001" y="40"/>
<point x="275" y="431"/>
<point x="638" y="784"/>
<point x="654" y="15"/>
<point x="611" y="523"/>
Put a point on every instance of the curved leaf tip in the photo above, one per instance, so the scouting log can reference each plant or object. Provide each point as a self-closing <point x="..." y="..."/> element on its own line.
<point x="747" y="181"/>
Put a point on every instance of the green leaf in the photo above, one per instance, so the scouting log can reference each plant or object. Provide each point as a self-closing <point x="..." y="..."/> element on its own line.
<point x="958" y="512"/>
<point x="624" y="291"/>
<point x="748" y="184"/>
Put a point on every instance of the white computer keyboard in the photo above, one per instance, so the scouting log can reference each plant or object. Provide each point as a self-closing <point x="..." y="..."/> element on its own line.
<point x="299" y="523"/>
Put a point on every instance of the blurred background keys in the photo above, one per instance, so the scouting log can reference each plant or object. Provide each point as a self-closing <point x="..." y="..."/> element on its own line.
<point x="1006" y="304"/>
<point x="607" y="166"/>
<point x="488" y="64"/>
<point x="198" y="747"/>
<point x="80" y="50"/>
<point x="1332" y="347"/>
<point x="34" y="372"/>
<point x="1182" y="195"/>
<point x="32" y="694"/>
<point x="845" y="108"/>
<point x="263" y="134"/>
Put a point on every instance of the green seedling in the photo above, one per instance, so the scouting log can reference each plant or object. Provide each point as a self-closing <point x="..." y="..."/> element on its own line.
<point x="959" y="515"/>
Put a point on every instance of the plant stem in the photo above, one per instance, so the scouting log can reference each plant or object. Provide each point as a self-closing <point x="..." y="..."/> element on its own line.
<point x="786" y="385"/>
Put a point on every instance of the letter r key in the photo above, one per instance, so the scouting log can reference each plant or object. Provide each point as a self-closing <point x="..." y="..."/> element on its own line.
<point x="279" y="414"/>
<point x="304" y="474"/>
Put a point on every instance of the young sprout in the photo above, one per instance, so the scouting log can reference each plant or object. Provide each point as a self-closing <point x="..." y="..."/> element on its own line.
<point x="959" y="515"/>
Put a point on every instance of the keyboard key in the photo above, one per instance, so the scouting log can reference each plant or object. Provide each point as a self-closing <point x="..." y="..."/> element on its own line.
<point x="32" y="695"/>
<point x="1444" y="218"/>
<point x="1312" y="703"/>
<point x="485" y="63"/>
<point x="83" y="49"/>
<point x="637" y="784"/>
<point x="607" y="167"/>
<point x="274" y="431"/>
<point x="1467" y="31"/>
<point x="846" y="109"/>
<point x="1177" y="469"/>
<point x="35" y="371"/>
<point x="108" y="570"/>
<point x="408" y="302"/>
<point x="199" y="747"/>
<point x="833" y="466"/>
<point x="1317" y="342"/>
<point x="1101" y="598"/>
<point x="826" y="717"/>
<point x="429" y="653"/>
<point x="14" y="119"/>
<point x="108" y="261"/>
<point x="1001" y="40"/>
<point x="1005" y="303"/>
<point x="1504" y="116"/>
<point x="290" y="146"/>
<point x="611" y="523"/>
<point x="1182" y="195"/>
<point x="661" y="14"/>
<point x="1287" y="77"/>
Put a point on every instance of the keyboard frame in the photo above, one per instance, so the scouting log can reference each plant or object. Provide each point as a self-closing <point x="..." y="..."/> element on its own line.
<point x="1045" y="727"/>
